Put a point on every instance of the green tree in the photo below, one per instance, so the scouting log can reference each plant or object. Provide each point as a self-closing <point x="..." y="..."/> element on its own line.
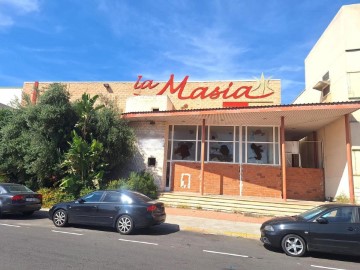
<point x="86" y="110"/>
<point x="116" y="136"/>
<point x="83" y="164"/>
<point x="34" y="138"/>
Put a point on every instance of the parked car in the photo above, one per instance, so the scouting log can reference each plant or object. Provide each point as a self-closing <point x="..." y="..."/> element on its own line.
<point x="122" y="209"/>
<point x="333" y="228"/>
<point x="15" y="198"/>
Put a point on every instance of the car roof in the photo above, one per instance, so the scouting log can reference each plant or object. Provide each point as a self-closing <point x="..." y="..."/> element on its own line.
<point x="10" y="184"/>
<point x="332" y="205"/>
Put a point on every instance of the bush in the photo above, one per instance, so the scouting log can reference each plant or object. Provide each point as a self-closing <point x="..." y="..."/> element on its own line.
<point x="86" y="191"/>
<point x="342" y="198"/>
<point x="53" y="196"/>
<point x="117" y="184"/>
<point x="142" y="182"/>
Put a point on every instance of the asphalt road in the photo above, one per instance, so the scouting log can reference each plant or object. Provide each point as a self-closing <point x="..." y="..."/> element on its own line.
<point x="34" y="243"/>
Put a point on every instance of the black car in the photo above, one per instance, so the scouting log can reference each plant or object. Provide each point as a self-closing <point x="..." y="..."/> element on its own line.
<point x="16" y="198"/>
<point x="122" y="209"/>
<point x="333" y="228"/>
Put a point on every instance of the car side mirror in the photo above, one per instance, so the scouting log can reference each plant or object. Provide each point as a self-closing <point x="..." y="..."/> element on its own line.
<point x="322" y="220"/>
<point x="81" y="200"/>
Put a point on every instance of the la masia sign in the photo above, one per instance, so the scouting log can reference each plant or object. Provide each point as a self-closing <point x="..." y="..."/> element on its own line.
<point x="239" y="93"/>
<point x="184" y="94"/>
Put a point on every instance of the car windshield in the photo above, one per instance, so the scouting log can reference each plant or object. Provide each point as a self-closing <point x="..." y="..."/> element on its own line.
<point x="17" y="188"/>
<point x="312" y="212"/>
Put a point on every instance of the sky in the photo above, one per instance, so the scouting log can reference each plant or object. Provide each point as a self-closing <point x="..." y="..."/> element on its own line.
<point x="117" y="40"/>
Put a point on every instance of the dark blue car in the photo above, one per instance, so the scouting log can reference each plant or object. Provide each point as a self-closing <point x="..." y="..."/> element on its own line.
<point x="333" y="228"/>
<point x="122" y="209"/>
<point x="16" y="198"/>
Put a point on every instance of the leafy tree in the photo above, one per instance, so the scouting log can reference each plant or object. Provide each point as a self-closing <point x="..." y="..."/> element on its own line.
<point x="34" y="138"/>
<point x="86" y="109"/>
<point x="84" y="165"/>
<point x="116" y="136"/>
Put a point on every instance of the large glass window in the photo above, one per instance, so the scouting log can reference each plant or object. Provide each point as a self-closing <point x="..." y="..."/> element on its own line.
<point x="221" y="144"/>
<point x="184" y="143"/>
<point x="260" y="145"/>
<point x="231" y="144"/>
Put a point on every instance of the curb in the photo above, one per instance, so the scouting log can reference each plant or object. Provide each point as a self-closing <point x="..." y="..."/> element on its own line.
<point x="226" y="233"/>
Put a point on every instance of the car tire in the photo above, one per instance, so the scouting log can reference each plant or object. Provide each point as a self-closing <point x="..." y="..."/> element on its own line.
<point x="28" y="213"/>
<point x="60" y="218"/>
<point x="125" y="224"/>
<point x="293" y="245"/>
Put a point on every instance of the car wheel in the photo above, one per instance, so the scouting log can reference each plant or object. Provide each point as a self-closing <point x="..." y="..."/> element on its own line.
<point x="28" y="213"/>
<point x="293" y="245"/>
<point x="60" y="218"/>
<point x="125" y="224"/>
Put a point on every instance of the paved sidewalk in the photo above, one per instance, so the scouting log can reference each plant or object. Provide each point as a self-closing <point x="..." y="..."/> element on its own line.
<point x="211" y="222"/>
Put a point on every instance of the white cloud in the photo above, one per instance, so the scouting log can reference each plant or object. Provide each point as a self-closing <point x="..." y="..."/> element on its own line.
<point x="15" y="9"/>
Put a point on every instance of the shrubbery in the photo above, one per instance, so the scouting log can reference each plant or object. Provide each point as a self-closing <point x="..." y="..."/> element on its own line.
<point x="53" y="196"/>
<point x="142" y="182"/>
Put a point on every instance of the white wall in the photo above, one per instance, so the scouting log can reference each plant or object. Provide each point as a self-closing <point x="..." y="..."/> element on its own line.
<point x="335" y="164"/>
<point x="151" y="140"/>
<point x="148" y="103"/>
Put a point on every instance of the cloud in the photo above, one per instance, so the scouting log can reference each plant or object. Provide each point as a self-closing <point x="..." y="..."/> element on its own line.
<point x="15" y="9"/>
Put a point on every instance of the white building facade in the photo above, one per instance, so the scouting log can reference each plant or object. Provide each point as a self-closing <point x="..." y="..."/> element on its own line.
<point x="332" y="74"/>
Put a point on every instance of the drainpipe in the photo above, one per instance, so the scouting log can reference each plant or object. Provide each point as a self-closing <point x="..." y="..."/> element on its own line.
<point x="283" y="158"/>
<point x="34" y="93"/>
<point x="349" y="159"/>
<point x="202" y="158"/>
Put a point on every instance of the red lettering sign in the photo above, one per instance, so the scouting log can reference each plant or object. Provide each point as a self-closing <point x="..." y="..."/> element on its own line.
<point x="204" y="92"/>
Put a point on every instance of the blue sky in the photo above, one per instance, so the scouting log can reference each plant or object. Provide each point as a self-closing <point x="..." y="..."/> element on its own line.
<point x="109" y="40"/>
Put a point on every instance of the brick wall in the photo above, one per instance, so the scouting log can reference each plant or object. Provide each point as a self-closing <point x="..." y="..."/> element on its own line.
<point x="220" y="179"/>
<point x="120" y="91"/>
<point x="261" y="181"/>
<point x="305" y="184"/>
<point x="257" y="180"/>
<point x="266" y="181"/>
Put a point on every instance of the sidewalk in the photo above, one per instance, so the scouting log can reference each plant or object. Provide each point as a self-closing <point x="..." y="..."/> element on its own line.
<point x="211" y="222"/>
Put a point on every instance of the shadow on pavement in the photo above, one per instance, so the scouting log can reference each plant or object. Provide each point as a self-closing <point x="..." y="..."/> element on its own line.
<point x="163" y="229"/>
<point x="318" y="255"/>
<point x="37" y="215"/>
<point x="334" y="257"/>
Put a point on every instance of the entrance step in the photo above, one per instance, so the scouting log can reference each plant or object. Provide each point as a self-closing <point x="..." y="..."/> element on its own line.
<point x="246" y="206"/>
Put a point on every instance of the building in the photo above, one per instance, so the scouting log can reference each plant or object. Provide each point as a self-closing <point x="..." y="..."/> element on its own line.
<point x="224" y="138"/>
<point x="332" y="74"/>
<point x="235" y="137"/>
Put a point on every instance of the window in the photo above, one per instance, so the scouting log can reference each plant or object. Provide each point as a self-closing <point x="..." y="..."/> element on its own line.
<point x="221" y="144"/>
<point x="112" y="197"/>
<point x="353" y="79"/>
<point x="184" y="143"/>
<point x="340" y="215"/>
<point x="93" y="197"/>
<point x="356" y="161"/>
<point x="260" y="145"/>
<point x="151" y="162"/>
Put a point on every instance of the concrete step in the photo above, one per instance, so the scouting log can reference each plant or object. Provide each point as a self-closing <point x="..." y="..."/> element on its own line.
<point x="258" y="207"/>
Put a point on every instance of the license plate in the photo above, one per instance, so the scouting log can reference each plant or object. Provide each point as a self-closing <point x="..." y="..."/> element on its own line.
<point x="32" y="200"/>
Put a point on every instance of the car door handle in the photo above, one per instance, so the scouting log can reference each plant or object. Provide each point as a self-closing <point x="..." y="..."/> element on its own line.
<point x="350" y="229"/>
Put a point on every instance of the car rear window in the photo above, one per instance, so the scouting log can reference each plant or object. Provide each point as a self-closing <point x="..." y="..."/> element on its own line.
<point x="140" y="197"/>
<point x="17" y="188"/>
